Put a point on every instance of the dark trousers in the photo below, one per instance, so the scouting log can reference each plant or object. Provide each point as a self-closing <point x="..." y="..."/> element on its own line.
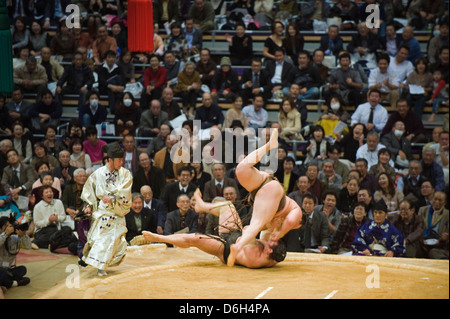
<point x="8" y="276"/>
<point x="42" y="237"/>
<point x="146" y="98"/>
<point x="66" y="90"/>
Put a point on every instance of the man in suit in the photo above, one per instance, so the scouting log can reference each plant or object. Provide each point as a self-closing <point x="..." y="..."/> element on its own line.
<point x="71" y="196"/>
<point x="331" y="43"/>
<point x="183" y="219"/>
<point x="217" y="184"/>
<point x="164" y="161"/>
<point x="139" y="218"/>
<point x="168" y="104"/>
<point x="147" y="174"/>
<point x="255" y="81"/>
<point x="156" y="206"/>
<point x="20" y="177"/>
<point x="210" y="114"/>
<point x="411" y="183"/>
<point x="64" y="171"/>
<point x="182" y="185"/>
<point x="152" y="119"/>
<point x="19" y="108"/>
<point x="431" y="169"/>
<point x="436" y="218"/>
<point x="314" y="233"/>
<point x="194" y="37"/>
<point x="282" y="73"/>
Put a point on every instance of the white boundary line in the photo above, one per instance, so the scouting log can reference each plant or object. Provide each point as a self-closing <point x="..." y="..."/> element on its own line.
<point x="331" y="294"/>
<point x="263" y="293"/>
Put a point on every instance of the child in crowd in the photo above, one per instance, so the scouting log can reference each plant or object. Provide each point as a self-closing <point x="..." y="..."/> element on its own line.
<point x="440" y="93"/>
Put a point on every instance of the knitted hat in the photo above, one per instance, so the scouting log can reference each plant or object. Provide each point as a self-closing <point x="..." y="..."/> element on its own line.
<point x="225" y="61"/>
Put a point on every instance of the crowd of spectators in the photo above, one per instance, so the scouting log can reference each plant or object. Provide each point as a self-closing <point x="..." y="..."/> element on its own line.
<point x="358" y="173"/>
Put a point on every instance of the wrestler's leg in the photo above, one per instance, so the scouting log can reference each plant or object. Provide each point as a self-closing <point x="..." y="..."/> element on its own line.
<point x="228" y="217"/>
<point x="250" y="177"/>
<point x="265" y="207"/>
<point x="207" y="244"/>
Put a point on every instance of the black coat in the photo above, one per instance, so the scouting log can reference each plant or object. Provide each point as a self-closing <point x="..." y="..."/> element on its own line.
<point x="156" y="181"/>
<point x="173" y="222"/>
<point x="264" y="81"/>
<point x="288" y="73"/>
<point x="75" y="79"/>
<point x="170" y="194"/>
<point x="148" y="222"/>
<point x="230" y="81"/>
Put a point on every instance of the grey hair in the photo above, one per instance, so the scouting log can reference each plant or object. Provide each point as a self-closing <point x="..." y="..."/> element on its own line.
<point x="78" y="170"/>
<point x="136" y="195"/>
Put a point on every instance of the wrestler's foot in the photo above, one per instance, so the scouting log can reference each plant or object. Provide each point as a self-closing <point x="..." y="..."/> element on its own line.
<point x="232" y="256"/>
<point x="273" y="141"/>
<point x="151" y="237"/>
<point x="101" y="272"/>
<point x="431" y="118"/>
<point x="199" y="203"/>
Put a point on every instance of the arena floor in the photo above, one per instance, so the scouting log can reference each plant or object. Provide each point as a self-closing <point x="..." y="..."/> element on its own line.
<point x="157" y="272"/>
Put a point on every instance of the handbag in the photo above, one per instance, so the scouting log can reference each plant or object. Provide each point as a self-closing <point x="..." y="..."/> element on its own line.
<point x="135" y="89"/>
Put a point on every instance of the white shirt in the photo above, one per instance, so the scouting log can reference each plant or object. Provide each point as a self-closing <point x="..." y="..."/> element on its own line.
<point x="182" y="188"/>
<point x="128" y="161"/>
<point x="43" y="210"/>
<point x="362" y="114"/>
<point x="391" y="46"/>
<point x="402" y="70"/>
<point x="377" y="77"/>
<point x="278" y="70"/>
<point x="148" y="205"/>
<point x="216" y="182"/>
<point x="371" y="156"/>
<point x="257" y="118"/>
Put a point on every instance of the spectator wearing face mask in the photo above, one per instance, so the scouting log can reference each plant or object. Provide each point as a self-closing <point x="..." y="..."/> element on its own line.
<point x="127" y="115"/>
<point x="92" y="112"/>
<point x="334" y="114"/>
<point x="399" y="146"/>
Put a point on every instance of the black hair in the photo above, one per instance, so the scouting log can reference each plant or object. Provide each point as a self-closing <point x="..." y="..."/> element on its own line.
<point x="182" y="169"/>
<point x="279" y="251"/>
<point x="91" y="130"/>
<point x="43" y="174"/>
<point x="310" y="196"/>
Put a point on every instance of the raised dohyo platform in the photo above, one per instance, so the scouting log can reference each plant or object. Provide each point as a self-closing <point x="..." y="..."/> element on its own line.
<point x="158" y="272"/>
